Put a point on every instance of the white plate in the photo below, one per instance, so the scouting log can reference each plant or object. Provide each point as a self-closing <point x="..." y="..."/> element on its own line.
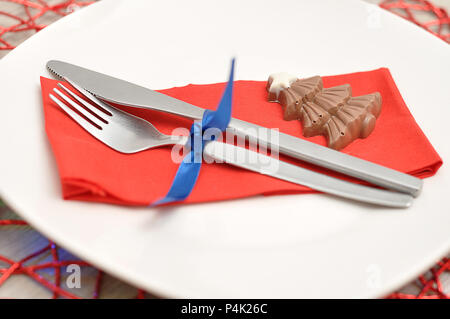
<point x="283" y="246"/>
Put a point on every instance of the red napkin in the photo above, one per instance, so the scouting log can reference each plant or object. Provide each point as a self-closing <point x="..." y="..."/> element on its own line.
<point x="91" y="171"/>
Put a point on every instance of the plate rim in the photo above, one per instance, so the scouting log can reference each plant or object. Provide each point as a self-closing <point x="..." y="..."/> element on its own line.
<point x="85" y="254"/>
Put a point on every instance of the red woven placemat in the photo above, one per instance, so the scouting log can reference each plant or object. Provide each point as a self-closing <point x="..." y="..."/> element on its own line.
<point x="34" y="12"/>
<point x="437" y="20"/>
<point x="429" y="283"/>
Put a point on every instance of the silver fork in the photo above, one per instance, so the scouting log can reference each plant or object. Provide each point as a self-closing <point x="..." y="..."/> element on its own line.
<point x="127" y="133"/>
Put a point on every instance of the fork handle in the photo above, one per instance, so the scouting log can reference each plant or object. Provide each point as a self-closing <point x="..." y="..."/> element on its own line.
<point x="270" y="166"/>
<point x="334" y="160"/>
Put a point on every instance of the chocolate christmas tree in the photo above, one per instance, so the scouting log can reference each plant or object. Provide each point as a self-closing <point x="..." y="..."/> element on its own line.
<point x="331" y="112"/>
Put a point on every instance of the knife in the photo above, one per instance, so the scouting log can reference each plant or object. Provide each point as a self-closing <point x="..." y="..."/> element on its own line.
<point x="125" y="93"/>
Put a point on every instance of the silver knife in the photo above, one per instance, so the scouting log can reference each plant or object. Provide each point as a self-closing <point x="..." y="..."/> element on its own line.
<point x="125" y="93"/>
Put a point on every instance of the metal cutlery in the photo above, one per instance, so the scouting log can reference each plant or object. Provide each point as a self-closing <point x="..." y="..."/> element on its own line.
<point x="122" y="92"/>
<point x="130" y="134"/>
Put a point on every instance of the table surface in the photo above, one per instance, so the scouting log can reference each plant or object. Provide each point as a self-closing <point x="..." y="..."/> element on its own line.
<point x="16" y="242"/>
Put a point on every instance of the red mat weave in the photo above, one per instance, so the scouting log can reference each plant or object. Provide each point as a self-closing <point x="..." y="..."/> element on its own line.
<point x="438" y="24"/>
<point x="34" y="10"/>
<point x="429" y="283"/>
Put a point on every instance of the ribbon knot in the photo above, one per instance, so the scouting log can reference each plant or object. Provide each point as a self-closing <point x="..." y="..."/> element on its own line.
<point x="189" y="169"/>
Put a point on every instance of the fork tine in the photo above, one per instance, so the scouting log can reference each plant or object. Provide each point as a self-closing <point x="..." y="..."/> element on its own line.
<point x="92" y="98"/>
<point x="77" y="118"/>
<point x="89" y="106"/>
<point x="79" y="108"/>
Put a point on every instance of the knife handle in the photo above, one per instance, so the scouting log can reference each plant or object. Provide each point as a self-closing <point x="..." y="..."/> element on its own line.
<point x="287" y="144"/>
<point x="270" y="166"/>
<point x="301" y="149"/>
<point x="304" y="150"/>
<point x="331" y="159"/>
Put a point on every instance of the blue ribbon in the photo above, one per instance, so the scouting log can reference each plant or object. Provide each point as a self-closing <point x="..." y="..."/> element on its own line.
<point x="188" y="171"/>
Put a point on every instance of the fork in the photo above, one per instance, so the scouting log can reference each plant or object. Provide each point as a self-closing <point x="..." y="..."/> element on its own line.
<point x="128" y="134"/>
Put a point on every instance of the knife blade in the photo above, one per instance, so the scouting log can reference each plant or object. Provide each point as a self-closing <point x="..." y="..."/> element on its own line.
<point x="126" y="93"/>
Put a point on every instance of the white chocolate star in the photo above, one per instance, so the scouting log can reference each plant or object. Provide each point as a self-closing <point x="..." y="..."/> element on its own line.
<point x="278" y="82"/>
